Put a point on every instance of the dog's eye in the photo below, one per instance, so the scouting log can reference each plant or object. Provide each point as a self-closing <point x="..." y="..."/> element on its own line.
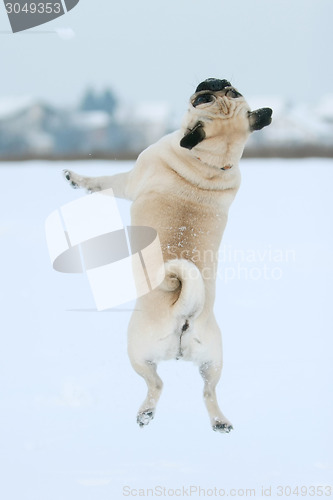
<point x="203" y="99"/>
<point x="233" y="94"/>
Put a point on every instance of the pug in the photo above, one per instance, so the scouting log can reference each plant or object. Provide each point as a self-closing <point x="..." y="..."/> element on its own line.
<point x="183" y="186"/>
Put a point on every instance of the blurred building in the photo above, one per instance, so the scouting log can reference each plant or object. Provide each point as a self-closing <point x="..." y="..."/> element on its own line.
<point x="100" y="127"/>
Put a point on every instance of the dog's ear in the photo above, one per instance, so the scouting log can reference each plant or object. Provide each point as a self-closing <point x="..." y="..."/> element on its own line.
<point x="193" y="136"/>
<point x="260" y="118"/>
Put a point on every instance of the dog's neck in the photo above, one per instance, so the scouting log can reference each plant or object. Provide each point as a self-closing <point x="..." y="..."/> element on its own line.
<point x="202" y="170"/>
<point x="221" y="155"/>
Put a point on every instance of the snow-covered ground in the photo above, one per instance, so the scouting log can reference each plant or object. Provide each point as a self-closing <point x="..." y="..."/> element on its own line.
<point x="69" y="395"/>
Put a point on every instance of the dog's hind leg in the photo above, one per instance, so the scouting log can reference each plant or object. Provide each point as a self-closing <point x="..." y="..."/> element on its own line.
<point x="147" y="370"/>
<point x="211" y="373"/>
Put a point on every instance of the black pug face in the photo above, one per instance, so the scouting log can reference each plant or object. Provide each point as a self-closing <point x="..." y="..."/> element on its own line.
<point x="217" y="107"/>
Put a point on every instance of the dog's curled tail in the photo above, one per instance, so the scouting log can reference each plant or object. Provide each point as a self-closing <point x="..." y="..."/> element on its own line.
<point x="183" y="273"/>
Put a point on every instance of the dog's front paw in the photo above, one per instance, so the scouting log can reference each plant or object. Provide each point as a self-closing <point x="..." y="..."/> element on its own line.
<point x="223" y="426"/>
<point x="144" y="417"/>
<point x="71" y="178"/>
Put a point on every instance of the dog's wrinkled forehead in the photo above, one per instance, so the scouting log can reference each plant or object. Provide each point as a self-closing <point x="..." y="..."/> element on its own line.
<point x="213" y="84"/>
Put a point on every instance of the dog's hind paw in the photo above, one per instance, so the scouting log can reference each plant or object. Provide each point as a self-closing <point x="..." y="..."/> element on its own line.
<point x="223" y="427"/>
<point x="144" y="417"/>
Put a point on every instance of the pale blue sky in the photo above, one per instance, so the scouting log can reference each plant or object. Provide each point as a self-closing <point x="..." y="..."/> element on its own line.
<point x="158" y="50"/>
